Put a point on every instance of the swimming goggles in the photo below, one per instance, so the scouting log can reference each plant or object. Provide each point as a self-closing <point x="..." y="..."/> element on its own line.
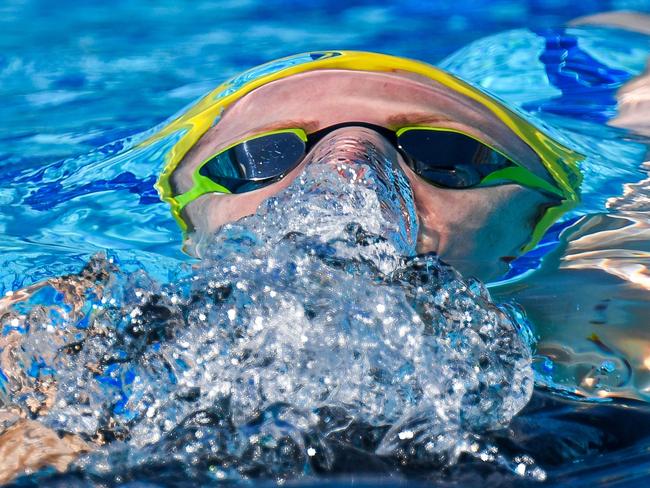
<point x="559" y="162"/>
<point x="444" y="157"/>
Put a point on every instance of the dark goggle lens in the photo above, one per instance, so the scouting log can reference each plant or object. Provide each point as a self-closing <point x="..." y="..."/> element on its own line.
<point x="449" y="159"/>
<point x="255" y="163"/>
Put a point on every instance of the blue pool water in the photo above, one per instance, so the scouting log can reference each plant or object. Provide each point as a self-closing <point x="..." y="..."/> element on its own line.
<point x="81" y="85"/>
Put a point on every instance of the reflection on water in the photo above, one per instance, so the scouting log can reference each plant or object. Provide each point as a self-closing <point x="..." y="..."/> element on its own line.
<point x="590" y="303"/>
<point x="301" y="337"/>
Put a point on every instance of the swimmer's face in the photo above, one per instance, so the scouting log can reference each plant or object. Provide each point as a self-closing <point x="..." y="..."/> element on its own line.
<point x="478" y="230"/>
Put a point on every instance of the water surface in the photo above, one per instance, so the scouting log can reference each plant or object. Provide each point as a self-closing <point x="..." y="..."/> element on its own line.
<point x="187" y="371"/>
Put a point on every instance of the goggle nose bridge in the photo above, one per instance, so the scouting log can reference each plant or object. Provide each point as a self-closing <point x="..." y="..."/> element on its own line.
<point x="315" y="137"/>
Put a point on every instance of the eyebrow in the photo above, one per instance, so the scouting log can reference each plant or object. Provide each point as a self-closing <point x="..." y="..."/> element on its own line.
<point x="415" y="118"/>
<point x="307" y="126"/>
<point x="393" y="121"/>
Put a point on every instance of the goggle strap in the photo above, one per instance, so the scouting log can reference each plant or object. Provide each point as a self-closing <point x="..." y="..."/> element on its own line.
<point x="202" y="185"/>
<point x="550" y="217"/>
<point x="523" y="176"/>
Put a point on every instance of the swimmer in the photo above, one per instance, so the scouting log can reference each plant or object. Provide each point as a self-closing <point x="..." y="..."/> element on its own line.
<point x="486" y="183"/>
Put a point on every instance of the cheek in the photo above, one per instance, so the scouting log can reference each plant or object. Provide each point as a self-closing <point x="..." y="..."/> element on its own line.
<point x="480" y="224"/>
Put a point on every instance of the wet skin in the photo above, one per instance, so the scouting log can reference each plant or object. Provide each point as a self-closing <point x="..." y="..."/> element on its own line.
<point x="477" y="230"/>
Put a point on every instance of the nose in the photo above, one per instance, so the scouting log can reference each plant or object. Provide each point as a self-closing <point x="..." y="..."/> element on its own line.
<point x="354" y="146"/>
<point x="364" y="158"/>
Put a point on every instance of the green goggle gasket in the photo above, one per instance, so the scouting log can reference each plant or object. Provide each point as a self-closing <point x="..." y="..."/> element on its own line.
<point x="444" y="157"/>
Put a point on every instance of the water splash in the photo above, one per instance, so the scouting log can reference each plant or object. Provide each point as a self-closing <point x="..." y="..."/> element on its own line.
<point x="308" y="330"/>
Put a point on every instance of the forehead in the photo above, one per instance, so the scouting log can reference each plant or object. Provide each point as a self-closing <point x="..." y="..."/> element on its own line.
<point x="317" y="99"/>
<point x="324" y="96"/>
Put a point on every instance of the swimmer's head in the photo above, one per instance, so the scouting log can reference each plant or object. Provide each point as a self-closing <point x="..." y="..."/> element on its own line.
<point x="486" y="183"/>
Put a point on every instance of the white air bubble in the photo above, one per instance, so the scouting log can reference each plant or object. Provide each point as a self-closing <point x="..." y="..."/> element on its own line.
<point x="316" y="304"/>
